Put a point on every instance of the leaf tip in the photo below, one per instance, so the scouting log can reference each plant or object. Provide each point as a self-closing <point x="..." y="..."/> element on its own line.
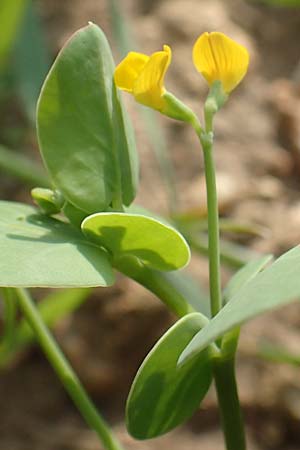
<point x="193" y="348"/>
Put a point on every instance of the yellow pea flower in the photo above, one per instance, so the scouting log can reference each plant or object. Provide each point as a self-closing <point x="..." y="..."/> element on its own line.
<point x="143" y="76"/>
<point x="219" y="58"/>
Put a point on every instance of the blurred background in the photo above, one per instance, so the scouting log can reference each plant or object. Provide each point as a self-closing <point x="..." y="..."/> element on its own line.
<point x="107" y="332"/>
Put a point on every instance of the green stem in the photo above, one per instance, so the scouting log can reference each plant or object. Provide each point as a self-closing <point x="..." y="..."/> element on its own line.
<point x="66" y="373"/>
<point x="213" y="225"/>
<point x="206" y="140"/>
<point x="230" y="411"/>
<point x="223" y="368"/>
<point x="155" y="282"/>
<point x="116" y="204"/>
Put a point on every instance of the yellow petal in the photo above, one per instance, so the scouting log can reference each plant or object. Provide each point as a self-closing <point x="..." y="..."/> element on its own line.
<point x="129" y="69"/>
<point x="217" y="57"/>
<point x="149" y="86"/>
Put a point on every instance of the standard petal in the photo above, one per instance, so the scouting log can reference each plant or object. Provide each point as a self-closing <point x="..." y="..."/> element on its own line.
<point x="218" y="57"/>
<point x="129" y="69"/>
<point x="149" y="86"/>
<point x="203" y="58"/>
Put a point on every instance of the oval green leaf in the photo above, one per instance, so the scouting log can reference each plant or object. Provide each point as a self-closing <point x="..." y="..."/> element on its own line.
<point x="163" y="395"/>
<point x="37" y="250"/>
<point x="85" y="137"/>
<point x="156" y="244"/>
<point x="276" y="286"/>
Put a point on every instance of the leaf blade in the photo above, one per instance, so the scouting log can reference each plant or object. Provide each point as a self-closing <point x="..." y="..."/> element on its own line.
<point x="156" y="244"/>
<point x="37" y="250"/>
<point x="162" y="395"/>
<point x="276" y="286"/>
<point x="244" y="275"/>
<point x="84" y="134"/>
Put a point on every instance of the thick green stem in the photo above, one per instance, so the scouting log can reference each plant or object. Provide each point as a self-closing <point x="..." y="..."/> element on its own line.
<point x="66" y="373"/>
<point x="155" y="282"/>
<point x="229" y="405"/>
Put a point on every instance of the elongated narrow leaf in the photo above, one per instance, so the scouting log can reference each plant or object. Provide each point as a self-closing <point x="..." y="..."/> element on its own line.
<point x="11" y="15"/>
<point x="276" y="286"/>
<point x="85" y="137"/>
<point x="163" y="395"/>
<point x="157" y="245"/>
<point x="244" y="275"/>
<point x="36" y="250"/>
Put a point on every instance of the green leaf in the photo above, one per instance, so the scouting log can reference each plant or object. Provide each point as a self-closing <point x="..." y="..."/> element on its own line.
<point x="50" y="202"/>
<point x="157" y="245"/>
<point x="276" y="286"/>
<point x="84" y="134"/>
<point x="74" y="214"/>
<point x="244" y="275"/>
<point x="163" y="395"/>
<point x="37" y="250"/>
<point x="126" y="150"/>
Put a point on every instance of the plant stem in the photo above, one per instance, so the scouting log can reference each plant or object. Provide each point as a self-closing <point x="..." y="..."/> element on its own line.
<point x="65" y="372"/>
<point x="223" y="367"/>
<point x="229" y="405"/>
<point x="213" y="224"/>
<point x="155" y="282"/>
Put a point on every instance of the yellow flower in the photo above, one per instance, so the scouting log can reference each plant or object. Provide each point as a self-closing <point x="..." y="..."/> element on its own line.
<point x="219" y="58"/>
<point x="143" y="76"/>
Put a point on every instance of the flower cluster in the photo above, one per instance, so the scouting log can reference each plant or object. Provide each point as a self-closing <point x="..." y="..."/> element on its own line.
<point x="215" y="56"/>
